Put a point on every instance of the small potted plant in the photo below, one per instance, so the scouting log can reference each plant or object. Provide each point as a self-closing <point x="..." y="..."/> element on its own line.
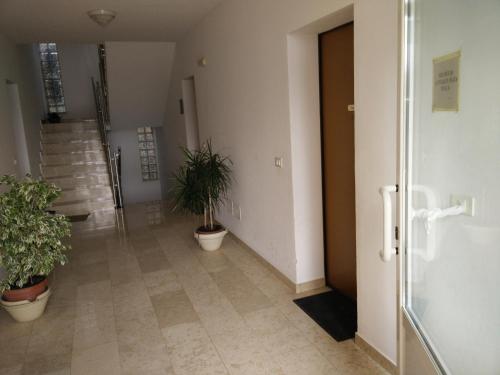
<point x="201" y="185"/>
<point x="31" y="245"/>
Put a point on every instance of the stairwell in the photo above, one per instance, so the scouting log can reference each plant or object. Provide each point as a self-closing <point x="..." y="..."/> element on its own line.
<point x="73" y="158"/>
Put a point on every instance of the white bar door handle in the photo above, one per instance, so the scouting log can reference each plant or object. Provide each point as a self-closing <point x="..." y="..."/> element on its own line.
<point x="388" y="250"/>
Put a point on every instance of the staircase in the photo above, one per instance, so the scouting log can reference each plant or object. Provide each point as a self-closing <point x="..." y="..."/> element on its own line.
<point x="73" y="158"/>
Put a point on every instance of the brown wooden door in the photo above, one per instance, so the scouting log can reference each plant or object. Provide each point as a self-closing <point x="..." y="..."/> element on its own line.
<point x="337" y="124"/>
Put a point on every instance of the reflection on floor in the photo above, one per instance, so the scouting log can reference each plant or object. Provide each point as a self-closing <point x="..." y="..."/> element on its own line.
<point x="142" y="298"/>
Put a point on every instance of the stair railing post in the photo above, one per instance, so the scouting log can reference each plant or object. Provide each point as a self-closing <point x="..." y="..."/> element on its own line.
<point x="117" y="161"/>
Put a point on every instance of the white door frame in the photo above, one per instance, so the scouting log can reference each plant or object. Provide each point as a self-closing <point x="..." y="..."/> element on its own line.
<point x="190" y="109"/>
<point x="408" y="334"/>
<point x="17" y="123"/>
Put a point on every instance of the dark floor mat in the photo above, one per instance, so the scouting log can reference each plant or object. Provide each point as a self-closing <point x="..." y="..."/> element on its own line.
<point x="333" y="311"/>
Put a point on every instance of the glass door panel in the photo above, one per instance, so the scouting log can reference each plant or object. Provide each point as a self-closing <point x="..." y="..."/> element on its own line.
<point x="452" y="205"/>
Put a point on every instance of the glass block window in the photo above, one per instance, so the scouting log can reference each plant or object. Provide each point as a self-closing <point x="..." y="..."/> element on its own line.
<point x="51" y="75"/>
<point x="147" y="152"/>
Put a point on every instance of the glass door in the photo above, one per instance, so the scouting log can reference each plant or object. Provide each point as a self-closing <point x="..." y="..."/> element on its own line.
<point x="451" y="188"/>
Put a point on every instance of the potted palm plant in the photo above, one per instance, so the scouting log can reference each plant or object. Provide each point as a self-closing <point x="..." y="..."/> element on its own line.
<point x="201" y="185"/>
<point x="31" y="245"/>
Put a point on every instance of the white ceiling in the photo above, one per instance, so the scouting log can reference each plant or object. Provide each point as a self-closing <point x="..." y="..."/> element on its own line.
<point x="67" y="20"/>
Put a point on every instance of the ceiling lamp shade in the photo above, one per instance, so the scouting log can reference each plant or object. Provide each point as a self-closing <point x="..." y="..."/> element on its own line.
<point x="102" y="16"/>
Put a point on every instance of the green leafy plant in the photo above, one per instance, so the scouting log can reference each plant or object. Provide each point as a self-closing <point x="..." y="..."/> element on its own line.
<point x="31" y="239"/>
<point x="202" y="182"/>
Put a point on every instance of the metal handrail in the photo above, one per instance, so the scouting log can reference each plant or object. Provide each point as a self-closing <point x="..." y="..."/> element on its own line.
<point x="112" y="160"/>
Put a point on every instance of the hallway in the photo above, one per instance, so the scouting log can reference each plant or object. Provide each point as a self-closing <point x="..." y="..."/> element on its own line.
<point x="152" y="302"/>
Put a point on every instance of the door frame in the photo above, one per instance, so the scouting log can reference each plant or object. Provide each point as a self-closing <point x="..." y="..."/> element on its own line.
<point x="401" y="181"/>
<point x="405" y="83"/>
<point x="23" y="165"/>
<point x="190" y="113"/>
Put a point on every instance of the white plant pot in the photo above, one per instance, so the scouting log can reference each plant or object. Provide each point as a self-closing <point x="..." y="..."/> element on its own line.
<point x="210" y="241"/>
<point x="26" y="311"/>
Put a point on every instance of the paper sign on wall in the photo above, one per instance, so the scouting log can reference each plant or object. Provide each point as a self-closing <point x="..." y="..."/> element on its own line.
<point x="446" y="83"/>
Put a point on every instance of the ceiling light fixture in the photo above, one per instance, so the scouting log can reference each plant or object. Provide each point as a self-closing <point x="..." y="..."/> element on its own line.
<point x="102" y="16"/>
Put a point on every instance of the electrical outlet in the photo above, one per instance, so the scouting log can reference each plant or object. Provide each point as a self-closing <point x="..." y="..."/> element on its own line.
<point x="278" y="162"/>
<point x="467" y="202"/>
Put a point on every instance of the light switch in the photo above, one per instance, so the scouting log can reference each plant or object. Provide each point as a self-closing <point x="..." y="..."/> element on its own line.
<point x="278" y="162"/>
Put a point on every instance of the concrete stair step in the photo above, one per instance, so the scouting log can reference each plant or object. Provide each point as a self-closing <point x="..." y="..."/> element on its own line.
<point x="104" y="220"/>
<point x="64" y="148"/>
<point x="68" y="127"/>
<point x="73" y="170"/>
<point x="93" y="194"/>
<point x="72" y="182"/>
<point x="73" y="137"/>
<point x="73" y="158"/>
<point x="82" y="207"/>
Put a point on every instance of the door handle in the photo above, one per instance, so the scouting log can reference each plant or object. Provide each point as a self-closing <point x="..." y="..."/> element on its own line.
<point x="387" y="250"/>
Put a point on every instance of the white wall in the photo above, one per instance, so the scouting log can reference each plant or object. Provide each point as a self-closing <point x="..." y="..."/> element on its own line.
<point x="138" y="82"/>
<point x="162" y="160"/>
<point x="248" y="105"/>
<point x="243" y="105"/>
<point x="32" y="101"/>
<point x="305" y="132"/>
<point x="79" y="63"/>
<point x="134" y="189"/>
<point x="17" y="65"/>
<point x="8" y="154"/>
<point x="17" y="122"/>
<point x="376" y="99"/>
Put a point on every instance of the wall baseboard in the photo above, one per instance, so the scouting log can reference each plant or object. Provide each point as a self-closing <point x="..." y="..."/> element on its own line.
<point x="378" y="357"/>
<point x="310" y="285"/>
<point x="298" y="288"/>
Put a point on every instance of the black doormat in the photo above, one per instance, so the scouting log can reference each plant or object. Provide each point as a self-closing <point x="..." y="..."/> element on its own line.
<point x="333" y="311"/>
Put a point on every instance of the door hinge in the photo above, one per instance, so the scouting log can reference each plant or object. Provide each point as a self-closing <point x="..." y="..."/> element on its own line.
<point x="396" y="236"/>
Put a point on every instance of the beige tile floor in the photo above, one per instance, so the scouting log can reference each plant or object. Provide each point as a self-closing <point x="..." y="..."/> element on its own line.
<point x="147" y="300"/>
